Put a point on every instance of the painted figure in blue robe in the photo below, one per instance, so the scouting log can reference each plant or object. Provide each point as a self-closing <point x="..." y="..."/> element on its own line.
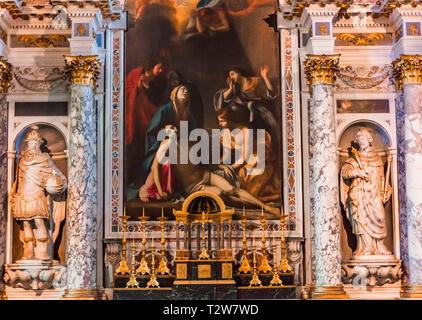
<point x="185" y="105"/>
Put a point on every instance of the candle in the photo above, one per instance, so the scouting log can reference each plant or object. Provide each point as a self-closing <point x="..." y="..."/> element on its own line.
<point x="162" y="212"/>
<point x="262" y="211"/>
<point x="244" y="211"/>
<point x="143" y="212"/>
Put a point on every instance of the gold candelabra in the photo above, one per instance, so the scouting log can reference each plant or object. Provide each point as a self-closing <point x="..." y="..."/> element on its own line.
<point x="153" y="283"/>
<point x="143" y="265"/>
<point x="204" y="254"/>
<point x="284" y="263"/>
<point x="265" y="266"/>
<point x="275" y="281"/>
<point x="123" y="267"/>
<point x="162" y="267"/>
<point x="132" y="283"/>
<point x="245" y="267"/>
<point x="255" y="280"/>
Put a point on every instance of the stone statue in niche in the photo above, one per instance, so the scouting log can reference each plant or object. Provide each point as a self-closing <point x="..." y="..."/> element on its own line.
<point x="37" y="199"/>
<point x="365" y="191"/>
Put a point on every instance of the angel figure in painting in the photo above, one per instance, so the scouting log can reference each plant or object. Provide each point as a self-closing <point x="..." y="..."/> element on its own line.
<point x="364" y="191"/>
<point x="243" y="92"/>
<point x="37" y="199"/>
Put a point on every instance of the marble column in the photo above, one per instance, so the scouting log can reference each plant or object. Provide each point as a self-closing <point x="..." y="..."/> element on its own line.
<point x="407" y="71"/>
<point x="320" y="73"/>
<point x="81" y="220"/>
<point x="5" y="78"/>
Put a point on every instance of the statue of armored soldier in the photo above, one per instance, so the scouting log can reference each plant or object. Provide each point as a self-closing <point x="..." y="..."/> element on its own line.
<point x="37" y="200"/>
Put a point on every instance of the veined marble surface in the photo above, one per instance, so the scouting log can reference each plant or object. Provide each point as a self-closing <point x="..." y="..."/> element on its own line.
<point x="326" y="188"/>
<point x="82" y="194"/>
<point x="3" y="176"/>
<point x="413" y="160"/>
<point x="401" y="170"/>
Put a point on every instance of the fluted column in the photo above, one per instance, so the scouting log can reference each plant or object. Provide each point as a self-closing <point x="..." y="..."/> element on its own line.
<point x="407" y="71"/>
<point x="81" y="220"/>
<point x="320" y="73"/>
<point x="5" y="79"/>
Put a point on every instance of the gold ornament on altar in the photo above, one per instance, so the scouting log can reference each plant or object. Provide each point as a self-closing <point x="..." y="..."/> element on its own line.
<point x="264" y="266"/>
<point x="255" y="279"/>
<point x="245" y="267"/>
<point x="162" y="267"/>
<point x="361" y="39"/>
<point x="133" y="283"/>
<point x="5" y="75"/>
<point x="143" y="265"/>
<point x="153" y="283"/>
<point x="284" y="266"/>
<point x="275" y="281"/>
<point x="123" y="266"/>
<point x="53" y="41"/>
<point x="321" y="69"/>
<point x="204" y="254"/>
<point x="83" y="69"/>
<point x="407" y="69"/>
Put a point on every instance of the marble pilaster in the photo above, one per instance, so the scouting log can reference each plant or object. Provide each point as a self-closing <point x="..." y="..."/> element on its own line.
<point x="5" y="78"/>
<point x="320" y="72"/>
<point x="82" y="181"/>
<point x="407" y="71"/>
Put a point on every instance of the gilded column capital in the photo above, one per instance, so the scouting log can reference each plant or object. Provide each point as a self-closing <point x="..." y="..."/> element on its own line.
<point x="407" y="69"/>
<point x="83" y="69"/>
<point x="5" y="75"/>
<point x="321" y="68"/>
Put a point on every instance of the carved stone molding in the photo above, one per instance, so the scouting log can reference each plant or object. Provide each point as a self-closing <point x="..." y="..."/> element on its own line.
<point x="5" y="75"/>
<point x="321" y="68"/>
<point x="83" y="69"/>
<point x="407" y="69"/>
<point x="363" y="76"/>
<point x="40" y="79"/>
<point x="373" y="271"/>
<point x="41" y="41"/>
<point x="361" y="39"/>
<point x="34" y="275"/>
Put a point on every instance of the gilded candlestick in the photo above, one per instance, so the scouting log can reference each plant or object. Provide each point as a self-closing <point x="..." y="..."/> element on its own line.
<point x="132" y="283"/>
<point x="245" y="267"/>
<point x="162" y="268"/>
<point x="255" y="279"/>
<point x="143" y="265"/>
<point x="284" y="263"/>
<point x="275" y="281"/>
<point x="265" y="266"/>
<point x="153" y="283"/>
<point x="204" y="254"/>
<point x="123" y="266"/>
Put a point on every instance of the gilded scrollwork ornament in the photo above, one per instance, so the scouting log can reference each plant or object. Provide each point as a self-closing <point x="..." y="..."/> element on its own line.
<point x="407" y="69"/>
<point x="5" y="75"/>
<point x="321" y="69"/>
<point x="83" y="69"/>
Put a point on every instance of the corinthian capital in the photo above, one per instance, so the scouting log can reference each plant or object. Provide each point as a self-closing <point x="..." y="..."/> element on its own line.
<point x="5" y="75"/>
<point x="407" y="69"/>
<point x="83" y="69"/>
<point x="321" y="68"/>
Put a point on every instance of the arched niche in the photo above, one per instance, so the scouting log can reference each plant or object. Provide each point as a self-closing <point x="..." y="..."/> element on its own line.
<point x="55" y="145"/>
<point x="382" y="145"/>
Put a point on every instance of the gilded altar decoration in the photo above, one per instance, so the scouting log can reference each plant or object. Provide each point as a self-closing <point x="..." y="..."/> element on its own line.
<point x="38" y="184"/>
<point x="52" y="41"/>
<point x="361" y="39"/>
<point x="407" y="69"/>
<point x="5" y="75"/>
<point x="123" y="266"/>
<point x="321" y="68"/>
<point x="83" y="69"/>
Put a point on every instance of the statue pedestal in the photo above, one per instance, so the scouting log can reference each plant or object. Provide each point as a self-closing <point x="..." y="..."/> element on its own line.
<point x="32" y="279"/>
<point x="371" y="276"/>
